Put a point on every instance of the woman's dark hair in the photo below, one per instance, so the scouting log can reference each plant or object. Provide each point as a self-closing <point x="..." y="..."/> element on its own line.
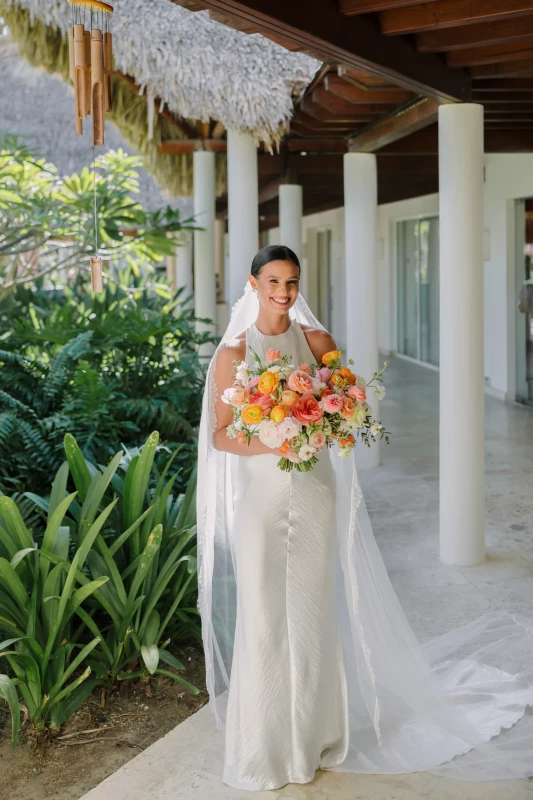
<point x="273" y="252"/>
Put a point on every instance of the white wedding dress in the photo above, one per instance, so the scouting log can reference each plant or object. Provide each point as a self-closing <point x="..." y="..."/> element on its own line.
<point x="310" y="660"/>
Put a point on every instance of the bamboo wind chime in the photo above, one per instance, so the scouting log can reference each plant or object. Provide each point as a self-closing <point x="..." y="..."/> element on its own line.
<point x="90" y="59"/>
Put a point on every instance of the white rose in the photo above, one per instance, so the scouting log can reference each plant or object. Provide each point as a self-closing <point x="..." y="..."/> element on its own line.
<point x="344" y="452"/>
<point x="359" y="416"/>
<point x="269" y="434"/>
<point x="285" y="372"/>
<point x="379" y="392"/>
<point x="306" y="451"/>
<point x="274" y="368"/>
<point x="226" y="396"/>
<point x="289" y="427"/>
<point x="318" y="385"/>
<point x="243" y="373"/>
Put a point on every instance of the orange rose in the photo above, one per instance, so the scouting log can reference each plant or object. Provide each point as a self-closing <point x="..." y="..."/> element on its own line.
<point x="348" y="407"/>
<point x="252" y="414"/>
<point x="325" y="392"/>
<point x="267" y="382"/>
<point x="346" y="441"/>
<point x="285" y="447"/>
<point x="347" y="374"/>
<point x="300" y="381"/>
<point x="307" y="410"/>
<point x="278" y="414"/>
<point x="331" y="355"/>
<point x="289" y="398"/>
<point x="304" y="367"/>
<point x="241" y="437"/>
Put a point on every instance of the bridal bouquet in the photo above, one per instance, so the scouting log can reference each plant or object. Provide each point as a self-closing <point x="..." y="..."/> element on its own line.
<point x="303" y="409"/>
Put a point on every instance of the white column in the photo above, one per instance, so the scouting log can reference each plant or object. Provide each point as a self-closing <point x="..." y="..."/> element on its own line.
<point x="183" y="268"/>
<point x="290" y="217"/>
<point x="462" y="471"/>
<point x="205" y="304"/>
<point x="360" y="220"/>
<point x="243" y="215"/>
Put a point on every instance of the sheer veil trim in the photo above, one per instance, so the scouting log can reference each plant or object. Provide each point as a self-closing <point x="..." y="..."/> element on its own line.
<point x="437" y="706"/>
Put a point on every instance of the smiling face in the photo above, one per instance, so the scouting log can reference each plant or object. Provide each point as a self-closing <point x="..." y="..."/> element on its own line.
<point x="277" y="286"/>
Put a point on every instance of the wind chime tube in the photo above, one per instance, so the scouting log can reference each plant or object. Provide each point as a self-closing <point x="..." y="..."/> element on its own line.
<point x="72" y="71"/>
<point x="87" y="41"/>
<point x="79" y="75"/>
<point x="97" y="284"/>
<point x="108" y="66"/>
<point x="97" y="73"/>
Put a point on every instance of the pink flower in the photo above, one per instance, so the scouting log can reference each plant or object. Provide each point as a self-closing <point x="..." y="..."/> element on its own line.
<point x="272" y="354"/>
<point x="294" y="457"/>
<point x="357" y="393"/>
<point x="251" y="383"/>
<point x="307" y="410"/>
<point x="333" y="403"/>
<point x="317" y="439"/>
<point x="264" y="400"/>
<point x="305" y="367"/>
<point x="324" y="374"/>
<point x="348" y="407"/>
<point x="300" y="381"/>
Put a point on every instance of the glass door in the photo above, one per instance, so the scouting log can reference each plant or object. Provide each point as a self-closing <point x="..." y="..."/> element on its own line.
<point x="418" y="289"/>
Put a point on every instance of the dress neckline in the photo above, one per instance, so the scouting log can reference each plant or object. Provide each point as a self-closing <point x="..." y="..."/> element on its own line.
<point x="273" y="335"/>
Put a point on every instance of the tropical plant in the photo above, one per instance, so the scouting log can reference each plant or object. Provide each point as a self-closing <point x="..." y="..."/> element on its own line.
<point x="115" y="571"/>
<point x="109" y="369"/>
<point x="47" y="222"/>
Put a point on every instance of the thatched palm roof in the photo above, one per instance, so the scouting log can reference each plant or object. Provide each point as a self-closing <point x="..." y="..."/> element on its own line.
<point x="201" y="69"/>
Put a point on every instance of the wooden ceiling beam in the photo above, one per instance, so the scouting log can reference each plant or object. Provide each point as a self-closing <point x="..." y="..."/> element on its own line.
<point x="313" y="124"/>
<point x="319" y="112"/>
<point x="326" y="33"/>
<point x="509" y="98"/>
<point x="323" y="145"/>
<point x="501" y="70"/>
<point x="485" y="33"/>
<point x="337" y="105"/>
<point x="473" y="56"/>
<point x="185" y="146"/>
<point x="450" y="13"/>
<point x="397" y="126"/>
<point x="353" y="94"/>
<point x="352" y="7"/>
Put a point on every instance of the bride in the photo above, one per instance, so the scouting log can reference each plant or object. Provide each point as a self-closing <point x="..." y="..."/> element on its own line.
<point x="310" y="660"/>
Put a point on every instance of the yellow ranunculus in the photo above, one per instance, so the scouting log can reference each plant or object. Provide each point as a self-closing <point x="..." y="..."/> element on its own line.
<point x="267" y="382"/>
<point x="252" y="414"/>
<point x="347" y="374"/>
<point x="332" y="355"/>
<point x="278" y="414"/>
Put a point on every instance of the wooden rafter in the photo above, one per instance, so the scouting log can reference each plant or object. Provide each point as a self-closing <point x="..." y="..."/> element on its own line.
<point x="323" y="31"/>
<point x="337" y="105"/>
<point x="397" y="126"/>
<point x="513" y="29"/>
<point x="352" y="7"/>
<point x="449" y="13"/>
<point x="473" y="56"/>
<point x="502" y="69"/>
<point x="353" y="94"/>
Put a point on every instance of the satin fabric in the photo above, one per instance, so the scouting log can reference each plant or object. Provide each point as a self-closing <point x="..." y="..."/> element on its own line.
<point x="287" y="711"/>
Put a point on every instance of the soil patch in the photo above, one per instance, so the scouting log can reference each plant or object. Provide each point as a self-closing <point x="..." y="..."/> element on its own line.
<point x="133" y="718"/>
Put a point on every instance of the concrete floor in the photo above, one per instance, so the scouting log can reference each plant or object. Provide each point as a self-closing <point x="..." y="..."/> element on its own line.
<point x="402" y="500"/>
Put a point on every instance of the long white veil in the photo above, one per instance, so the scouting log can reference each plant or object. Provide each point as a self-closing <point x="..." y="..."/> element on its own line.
<point x="456" y="706"/>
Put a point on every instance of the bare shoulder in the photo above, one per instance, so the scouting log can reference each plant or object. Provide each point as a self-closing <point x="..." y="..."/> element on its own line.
<point x="319" y="341"/>
<point x="233" y="350"/>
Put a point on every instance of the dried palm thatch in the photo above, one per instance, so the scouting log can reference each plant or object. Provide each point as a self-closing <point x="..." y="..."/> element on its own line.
<point x="45" y="46"/>
<point x="199" y="68"/>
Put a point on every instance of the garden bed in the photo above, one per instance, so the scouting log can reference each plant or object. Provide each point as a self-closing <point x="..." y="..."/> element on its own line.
<point x="132" y="719"/>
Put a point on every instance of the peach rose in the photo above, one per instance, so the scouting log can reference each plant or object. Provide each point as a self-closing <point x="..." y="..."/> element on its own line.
<point x="333" y="403"/>
<point x="252" y="414"/>
<point x="300" y="381"/>
<point x="317" y="439"/>
<point x="330" y="356"/>
<point x="357" y="393"/>
<point x="285" y="448"/>
<point x="289" y="398"/>
<point x="267" y="382"/>
<point x="241" y="437"/>
<point x="278" y="414"/>
<point x="272" y="354"/>
<point x="238" y="396"/>
<point x="294" y="457"/>
<point x="304" y="367"/>
<point x="348" y="407"/>
<point x="307" y="409"/>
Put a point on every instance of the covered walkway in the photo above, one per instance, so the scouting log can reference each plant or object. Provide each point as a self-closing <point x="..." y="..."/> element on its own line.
<point x="402" y="498"/>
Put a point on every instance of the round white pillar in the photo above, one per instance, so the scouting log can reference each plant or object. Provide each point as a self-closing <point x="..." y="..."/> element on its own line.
<point x="290" y="217"/>
<point x="243" y="214"/>
<point x="183" y="267"/>
<point x="461" y="450"/>
<point x="205" y="304"/>
<point x="360" y="236"/>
